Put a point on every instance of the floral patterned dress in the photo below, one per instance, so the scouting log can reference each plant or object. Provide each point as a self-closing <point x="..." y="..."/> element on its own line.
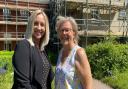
<point x="66" y="77"/>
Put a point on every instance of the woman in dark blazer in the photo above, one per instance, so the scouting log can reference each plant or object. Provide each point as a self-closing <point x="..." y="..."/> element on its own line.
<point x="32" y="69"/>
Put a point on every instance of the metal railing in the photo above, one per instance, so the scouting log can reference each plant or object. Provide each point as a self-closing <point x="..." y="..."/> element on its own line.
<point x="12" y="35"/>
<point x="117" y="27"/>
<point x="14" y="18"/>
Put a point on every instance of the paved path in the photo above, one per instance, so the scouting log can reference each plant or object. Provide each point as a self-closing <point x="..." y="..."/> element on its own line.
<point x="99" y="85"/>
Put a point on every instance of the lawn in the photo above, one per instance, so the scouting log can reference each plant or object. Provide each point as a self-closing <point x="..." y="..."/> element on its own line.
<point x="118" y="81"/>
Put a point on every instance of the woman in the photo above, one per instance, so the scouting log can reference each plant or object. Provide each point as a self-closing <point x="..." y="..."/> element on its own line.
<point x="73" y="69"/>
<point x="32" y="69"/>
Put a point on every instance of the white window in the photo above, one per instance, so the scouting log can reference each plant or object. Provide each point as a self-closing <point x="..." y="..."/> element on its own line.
<point x="8" y="45"/>
<point x="122" y="15"/>
<point x="6" y="12"/>
<point x="95" y="13"/>
<point x="24" y="13"/>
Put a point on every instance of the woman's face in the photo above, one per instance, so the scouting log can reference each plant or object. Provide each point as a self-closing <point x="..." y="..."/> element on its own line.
<point x="66" y="33"/>
<point x="39" y="27"/>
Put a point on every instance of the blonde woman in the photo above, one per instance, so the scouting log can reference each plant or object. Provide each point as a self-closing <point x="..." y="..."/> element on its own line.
<point x="73" y="69"/>
<point x="31" y="66"/>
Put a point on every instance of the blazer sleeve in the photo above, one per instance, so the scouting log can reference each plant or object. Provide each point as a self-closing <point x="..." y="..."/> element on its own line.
<point x="51" y="74"/>
<point x="21" y="64"/>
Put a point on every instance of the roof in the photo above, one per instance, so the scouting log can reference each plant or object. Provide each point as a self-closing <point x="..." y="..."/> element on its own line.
<point x="76" y="0"/>
<point x="34" y="1"/>
<point x="113" y="2"/>
<point x="93" y="3"/>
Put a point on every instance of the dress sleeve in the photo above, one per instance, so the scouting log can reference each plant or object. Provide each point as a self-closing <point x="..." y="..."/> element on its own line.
<point x="21" y="64"/>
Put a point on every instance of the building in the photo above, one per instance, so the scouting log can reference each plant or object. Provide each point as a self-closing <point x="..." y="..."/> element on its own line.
<point x="95" y="18"/>
<point x="13" y="20"/>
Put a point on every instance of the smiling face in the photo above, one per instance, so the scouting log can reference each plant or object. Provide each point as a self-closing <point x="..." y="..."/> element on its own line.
<point x="66" y="33"/>
<point x="39" y="27"/>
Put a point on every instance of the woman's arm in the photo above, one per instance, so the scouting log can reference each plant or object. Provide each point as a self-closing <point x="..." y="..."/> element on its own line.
<point x="83" y="68"/>
<point x="21" y="64"/>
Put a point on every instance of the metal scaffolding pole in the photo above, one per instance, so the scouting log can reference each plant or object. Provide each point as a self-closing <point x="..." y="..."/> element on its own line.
<point x="127" y="19"/>
<point x="16" y="20"/>
<point x="28" y="11"/>
<point x="5" y="16"/>
<point x="87" y="23"/>
<point x="109" y="18"/>
<point x="65" y="8"/>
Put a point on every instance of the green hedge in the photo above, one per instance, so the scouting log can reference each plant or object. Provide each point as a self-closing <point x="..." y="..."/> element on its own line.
<point x="6" y="79"/>
<point x="52" y="57"/>
<point x="6" y="58"/>
<point x="107" y="57"/>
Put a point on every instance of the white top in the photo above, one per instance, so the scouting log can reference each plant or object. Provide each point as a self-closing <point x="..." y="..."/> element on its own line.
<point x="66" y="77"/>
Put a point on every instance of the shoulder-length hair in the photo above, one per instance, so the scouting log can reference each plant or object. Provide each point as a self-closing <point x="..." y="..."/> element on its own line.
<point x="61" y="20"/>
<point x="29" y="31"/>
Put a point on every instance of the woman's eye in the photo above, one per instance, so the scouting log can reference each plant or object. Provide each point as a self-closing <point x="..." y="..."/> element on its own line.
<point x="35" y="23"/>
<point x="66" y="30"/>
<point x="42" y="24"/>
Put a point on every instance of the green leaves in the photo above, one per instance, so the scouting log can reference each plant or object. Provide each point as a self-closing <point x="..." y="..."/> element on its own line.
<point x="6" y="79"/>
<point x="106" y="57"/>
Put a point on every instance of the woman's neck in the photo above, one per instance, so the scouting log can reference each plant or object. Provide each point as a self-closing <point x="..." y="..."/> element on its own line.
<point x="69" y="47"/>
<point x="37" y="43"/>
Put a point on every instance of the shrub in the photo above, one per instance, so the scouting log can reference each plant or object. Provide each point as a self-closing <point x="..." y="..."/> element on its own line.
<point x="52" y="57"/>
<point x="6" y="79"/>
<point x="107" y="57"/>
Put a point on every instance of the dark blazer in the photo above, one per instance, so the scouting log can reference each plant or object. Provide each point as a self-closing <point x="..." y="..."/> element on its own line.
<point x="28" y="69"/>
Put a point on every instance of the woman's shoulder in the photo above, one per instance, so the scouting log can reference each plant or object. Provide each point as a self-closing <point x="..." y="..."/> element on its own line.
<point x="81" y="55"/>
<point x="80" y="51"/>
<point x="23" y="42"/>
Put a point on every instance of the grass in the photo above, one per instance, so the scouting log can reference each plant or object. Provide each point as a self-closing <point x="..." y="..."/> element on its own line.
<point x="118" y="81"/>
<point x="53" y="87"/>
<point x="6" y="80"/>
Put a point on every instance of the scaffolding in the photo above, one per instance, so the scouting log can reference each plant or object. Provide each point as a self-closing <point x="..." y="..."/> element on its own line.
<point x="13" y="20"/>
<point x="95" y="18"/>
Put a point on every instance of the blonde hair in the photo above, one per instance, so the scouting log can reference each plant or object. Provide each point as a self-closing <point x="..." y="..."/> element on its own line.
<point x="61" y="20"/>
<point x="29" y="31"/>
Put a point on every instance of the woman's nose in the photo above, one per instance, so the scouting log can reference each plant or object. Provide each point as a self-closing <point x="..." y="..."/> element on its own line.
<point x="64" y="32"/>
<point x="39" y="27"/>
